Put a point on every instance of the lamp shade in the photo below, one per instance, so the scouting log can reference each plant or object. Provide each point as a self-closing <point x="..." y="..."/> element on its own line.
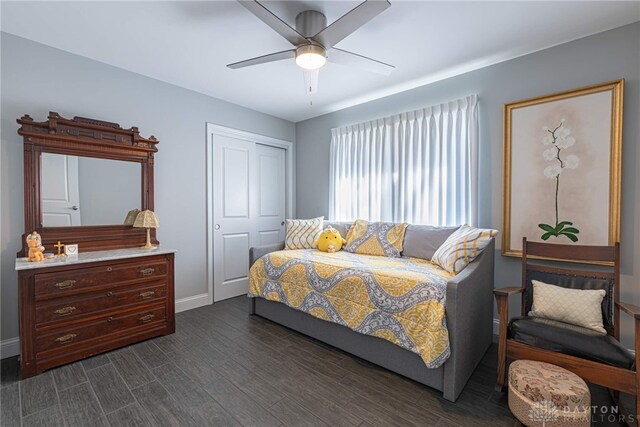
<point x="147" y="219"/>
<point x="311" y="57"/>
<point x="131" y="216"/>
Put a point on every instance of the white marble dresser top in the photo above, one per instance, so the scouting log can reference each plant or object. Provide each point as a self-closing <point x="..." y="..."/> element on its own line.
<point x="94" y="256"/>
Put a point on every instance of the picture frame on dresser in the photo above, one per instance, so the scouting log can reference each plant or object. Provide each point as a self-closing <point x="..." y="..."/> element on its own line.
<point x="114" y="292"/>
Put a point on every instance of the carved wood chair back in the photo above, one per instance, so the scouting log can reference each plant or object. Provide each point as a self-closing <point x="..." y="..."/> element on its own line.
<point x="577" y="275"/>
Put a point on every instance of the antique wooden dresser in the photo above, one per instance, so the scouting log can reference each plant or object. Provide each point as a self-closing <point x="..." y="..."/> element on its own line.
<point x="78" y="174"/>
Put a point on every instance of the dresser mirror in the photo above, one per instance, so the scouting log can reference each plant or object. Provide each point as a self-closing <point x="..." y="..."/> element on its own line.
<point x="79" y="191"/>
<point x="84" y="181"/>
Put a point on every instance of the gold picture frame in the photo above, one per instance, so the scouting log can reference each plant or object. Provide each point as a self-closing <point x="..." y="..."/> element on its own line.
<point x="586" y="108"/>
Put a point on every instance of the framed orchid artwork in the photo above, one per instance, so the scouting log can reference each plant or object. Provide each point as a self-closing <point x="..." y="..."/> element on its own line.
<point x="562" y="161"/>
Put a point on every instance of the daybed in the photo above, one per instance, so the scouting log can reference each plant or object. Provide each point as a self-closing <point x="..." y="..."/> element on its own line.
<point x="468" y="313"/>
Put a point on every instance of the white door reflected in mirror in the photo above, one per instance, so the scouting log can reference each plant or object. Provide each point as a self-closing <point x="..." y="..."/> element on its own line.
<point x="60" y="191"/>
<point x="88" y="191"/>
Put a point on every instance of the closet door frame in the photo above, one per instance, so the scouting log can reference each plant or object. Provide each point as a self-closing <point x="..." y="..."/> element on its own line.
<point x="213" y="130"/>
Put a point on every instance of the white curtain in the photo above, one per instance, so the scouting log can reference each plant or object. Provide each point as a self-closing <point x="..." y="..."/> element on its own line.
<point x="419" y="167"/>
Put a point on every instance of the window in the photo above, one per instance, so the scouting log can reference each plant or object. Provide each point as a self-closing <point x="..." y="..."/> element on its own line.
<point x="419" y="167"/>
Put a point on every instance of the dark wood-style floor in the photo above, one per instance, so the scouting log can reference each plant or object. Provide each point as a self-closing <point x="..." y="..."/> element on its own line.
<point x="223" y="367"/>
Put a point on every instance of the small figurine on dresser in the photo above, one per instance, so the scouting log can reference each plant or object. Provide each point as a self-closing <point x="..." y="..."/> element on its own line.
<point x="34" y="241"/>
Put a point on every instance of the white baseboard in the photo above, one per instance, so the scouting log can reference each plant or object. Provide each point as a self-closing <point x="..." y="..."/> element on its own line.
<point x="189" y="303"/>
<point x="9" y="347"/>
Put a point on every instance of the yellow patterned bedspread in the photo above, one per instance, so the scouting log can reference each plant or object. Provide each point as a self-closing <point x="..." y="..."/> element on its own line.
<point x="401" y="300"/>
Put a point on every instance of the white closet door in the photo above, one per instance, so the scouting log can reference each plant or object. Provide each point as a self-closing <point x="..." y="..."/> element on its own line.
<point x="248" y="208"/>
<point x="60" y="191"/>
<point x="271" y="196"/>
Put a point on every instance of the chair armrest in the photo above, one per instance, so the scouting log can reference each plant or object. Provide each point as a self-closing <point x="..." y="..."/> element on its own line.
<point x="258" y="252"/>
<point x="507" y="292"/>
<point x="630" y="309"/>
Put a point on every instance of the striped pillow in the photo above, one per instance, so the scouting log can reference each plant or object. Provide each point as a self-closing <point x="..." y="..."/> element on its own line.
<point x="301" y="233"/>
<point x="376" y="238"/>
<point x="462" y="247"/>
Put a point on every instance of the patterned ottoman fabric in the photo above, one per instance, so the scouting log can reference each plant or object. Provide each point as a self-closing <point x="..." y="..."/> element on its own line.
<point x="541" y="391"/>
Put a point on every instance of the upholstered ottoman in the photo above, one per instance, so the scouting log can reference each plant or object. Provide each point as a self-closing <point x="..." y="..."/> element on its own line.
<point x="542" y="394"/>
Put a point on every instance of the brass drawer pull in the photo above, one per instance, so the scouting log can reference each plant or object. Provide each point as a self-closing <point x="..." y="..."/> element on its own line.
<point x="147" y="318"/>
<point x="65" y="284"/>
<point x="147" y="271"/>
<point x="147" y="294"/>
<point x="65" y="311"/>
<point x="66" y="338"/>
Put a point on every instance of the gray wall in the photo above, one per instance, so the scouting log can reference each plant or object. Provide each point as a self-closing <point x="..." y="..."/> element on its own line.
<point x="37" y="79"/>
<point x="602" y="57"/>
<point x="109" y="189"/>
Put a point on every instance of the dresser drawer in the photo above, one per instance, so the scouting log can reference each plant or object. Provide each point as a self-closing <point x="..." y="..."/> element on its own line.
<point x="75" y="307"/>
<point x="54" y="285"/>
<point x="85" y="334"/>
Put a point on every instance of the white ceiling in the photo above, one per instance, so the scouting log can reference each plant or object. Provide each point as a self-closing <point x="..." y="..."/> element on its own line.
<point x="189" y="43"/>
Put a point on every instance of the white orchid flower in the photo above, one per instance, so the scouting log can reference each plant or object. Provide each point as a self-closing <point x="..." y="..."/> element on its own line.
<point x="563" y="132"/>
<point x="549" y="154"/>
<point x="565" y="142"/>
<point x="571" y="162"/>
<point x="547" y="140"/>
<point x="552" y="171"/>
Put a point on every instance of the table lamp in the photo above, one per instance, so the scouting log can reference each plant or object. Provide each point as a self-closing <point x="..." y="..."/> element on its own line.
<point x="148" y="220"/>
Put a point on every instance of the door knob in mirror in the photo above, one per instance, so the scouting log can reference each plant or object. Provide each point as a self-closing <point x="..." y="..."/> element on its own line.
<point x="217" y="226"/>
<point x="75" y="208"/>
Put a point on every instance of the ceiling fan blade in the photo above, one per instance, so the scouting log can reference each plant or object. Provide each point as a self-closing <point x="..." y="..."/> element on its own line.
<point x="311" y="81"/>
<point x="277" y="24"/>
<point x="272" y="57"/>
<point x="350" y="22"/>
<point x="342" y="57"/>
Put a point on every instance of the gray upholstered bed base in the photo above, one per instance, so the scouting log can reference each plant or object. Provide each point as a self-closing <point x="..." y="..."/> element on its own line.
<point x="372" y="349"/>
<point x="469" y="310"/>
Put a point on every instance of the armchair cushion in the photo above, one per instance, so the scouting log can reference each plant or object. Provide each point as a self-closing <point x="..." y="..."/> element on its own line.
<point x="580" y="307"/>
<point x="571" y="340"/>
<point x="573" y="281"/>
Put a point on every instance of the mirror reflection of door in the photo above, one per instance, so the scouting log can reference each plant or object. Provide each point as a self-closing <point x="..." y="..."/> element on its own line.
<point x="88" y="190"/>
<point x="60" y="191"/>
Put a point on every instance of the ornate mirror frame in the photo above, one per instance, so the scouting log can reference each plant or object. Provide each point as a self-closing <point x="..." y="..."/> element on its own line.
<point x="87" y="138"/>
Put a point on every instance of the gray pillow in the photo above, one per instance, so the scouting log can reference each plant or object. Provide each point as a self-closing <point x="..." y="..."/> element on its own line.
<point x="342" y="227"/>
<point x="422" y="241"/>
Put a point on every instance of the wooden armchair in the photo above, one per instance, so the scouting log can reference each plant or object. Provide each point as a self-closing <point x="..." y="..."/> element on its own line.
<point x="599" y="359"/>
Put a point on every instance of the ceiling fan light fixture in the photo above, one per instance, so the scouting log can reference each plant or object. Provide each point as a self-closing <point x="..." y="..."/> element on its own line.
<point x="311" y="57"/>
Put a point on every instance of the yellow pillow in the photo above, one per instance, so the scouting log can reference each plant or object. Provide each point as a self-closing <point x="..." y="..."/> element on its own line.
<point x="462" y="247"/>
<point x="580" y="307"/>
<point x="302" y="233"/>
<point x="376" y="238"/>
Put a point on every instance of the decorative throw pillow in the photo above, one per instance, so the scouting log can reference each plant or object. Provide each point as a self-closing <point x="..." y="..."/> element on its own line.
<point x="376" y="238"/>
<point x="580" y="307"/>
<point x="301" y="233"/>
<point x="462" y="247"/>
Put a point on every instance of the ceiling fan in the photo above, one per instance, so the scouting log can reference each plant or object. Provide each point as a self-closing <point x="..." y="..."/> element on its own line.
<point x="314" y="41"/>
